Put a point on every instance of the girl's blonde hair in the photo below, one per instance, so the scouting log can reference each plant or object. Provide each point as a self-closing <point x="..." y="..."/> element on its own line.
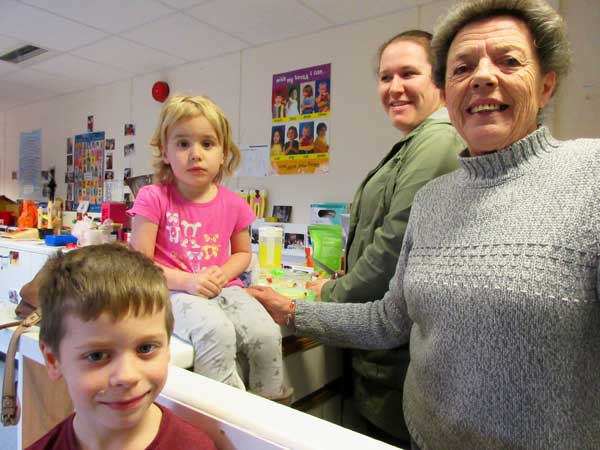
<point x="183" y="107"/>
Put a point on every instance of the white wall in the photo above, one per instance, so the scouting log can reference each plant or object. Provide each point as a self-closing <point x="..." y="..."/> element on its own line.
<point x="359" y="132"/>
<point x="241" y="84"/>
<point x="578" y="100"/>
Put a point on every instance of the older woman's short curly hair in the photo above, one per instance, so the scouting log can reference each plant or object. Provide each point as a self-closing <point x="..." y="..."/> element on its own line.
<point x="183" y="107"/>
<point x="546" y="25"/>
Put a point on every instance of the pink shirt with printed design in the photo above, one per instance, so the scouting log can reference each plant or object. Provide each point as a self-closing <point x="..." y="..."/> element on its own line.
<point x="192" y="235"/>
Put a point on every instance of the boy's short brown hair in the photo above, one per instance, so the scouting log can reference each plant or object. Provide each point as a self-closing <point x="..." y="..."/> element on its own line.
<point x="106" y="278"/>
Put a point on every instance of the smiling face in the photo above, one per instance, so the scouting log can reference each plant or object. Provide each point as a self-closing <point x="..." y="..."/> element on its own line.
<point x="494" y="86"/>
<point x="406" y="90"/>
<point x="292" y="134"/>
<point x="195" y="155"/>
<point x="113" y="370"/>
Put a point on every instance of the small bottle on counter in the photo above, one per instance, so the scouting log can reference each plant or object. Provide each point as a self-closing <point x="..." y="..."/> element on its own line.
<point x="49" y="216"/>
<point x="40" y="216"/>
<point x="309" y="260"/>
<point x="57" y="218"/>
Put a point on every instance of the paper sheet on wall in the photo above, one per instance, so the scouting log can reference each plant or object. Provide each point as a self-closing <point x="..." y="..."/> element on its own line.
<point x="255" y="161"/>
<point x="30" y="164"/>
<point x="113" y="191"/>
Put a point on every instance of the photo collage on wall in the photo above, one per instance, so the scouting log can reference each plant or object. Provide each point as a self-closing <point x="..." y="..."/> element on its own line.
<point x="87" y="170"/>
<point x="91" y="163"/>
<point x="300" y="109"/>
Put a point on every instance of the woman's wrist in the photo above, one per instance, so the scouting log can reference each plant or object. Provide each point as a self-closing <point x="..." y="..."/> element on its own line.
<point x="290" y="318"/>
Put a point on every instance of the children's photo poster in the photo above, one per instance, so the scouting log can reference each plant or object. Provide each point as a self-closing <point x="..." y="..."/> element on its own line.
<point x="88" y="171"/>
<point x="300" y="108"/>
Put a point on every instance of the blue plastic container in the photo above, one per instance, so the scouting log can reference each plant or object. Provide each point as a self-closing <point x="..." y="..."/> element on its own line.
<point x="60" y="240"/>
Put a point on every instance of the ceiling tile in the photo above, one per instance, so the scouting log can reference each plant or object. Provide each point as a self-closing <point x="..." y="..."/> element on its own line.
<point x="260" y="21"/>
<point x="6" y="103"/>
<point x="185" y="37"/>
<point x="45" y="83"/>
<point x="74" y="67"/>
<point x="21" y="86"/>
<point x="27" y="85"/>
<point x="57" y="84"/>
<point x="113" y="16"/>
<point x="340" y="12"/>
<point x="42" y="28"/>
<point x="8" y="44"/>
<point x="121" y="53"/>
<point x="180" y="4"/>
<point x="6" y="67"/>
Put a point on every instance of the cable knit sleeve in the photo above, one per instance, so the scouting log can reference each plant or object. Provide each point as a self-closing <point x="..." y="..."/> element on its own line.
<point x="374" y="325"/>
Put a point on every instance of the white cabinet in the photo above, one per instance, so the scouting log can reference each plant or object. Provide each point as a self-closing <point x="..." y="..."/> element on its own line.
<point x="19" y="262"/>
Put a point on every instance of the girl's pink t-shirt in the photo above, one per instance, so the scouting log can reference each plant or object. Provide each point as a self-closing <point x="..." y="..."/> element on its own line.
<point x="192" y="235"/>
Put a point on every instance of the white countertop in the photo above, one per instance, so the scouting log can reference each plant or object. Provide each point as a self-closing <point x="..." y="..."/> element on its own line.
<point x="34" y="246"/>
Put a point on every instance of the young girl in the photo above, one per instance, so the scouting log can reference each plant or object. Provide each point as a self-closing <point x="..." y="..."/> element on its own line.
<point x="276" y="143"/>
<point x="321" y="145"/>
<point x="291" y="107"/>
<point x="276" y="147"/>
<point x="306" y="140"/>
<point x="308" y="101"/>
<point x="291" y="146"/>
<point x="188" y="223"/>
<point x="322" y="100"/>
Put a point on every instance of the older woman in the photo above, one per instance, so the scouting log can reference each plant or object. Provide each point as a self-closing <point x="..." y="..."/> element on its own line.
<point x="497" y="280"/>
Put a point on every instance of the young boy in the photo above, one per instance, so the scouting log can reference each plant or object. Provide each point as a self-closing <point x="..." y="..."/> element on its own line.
<point x="106" y="326"/>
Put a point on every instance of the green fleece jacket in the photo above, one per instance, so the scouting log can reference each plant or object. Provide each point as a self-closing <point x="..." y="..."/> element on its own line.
<point x="378" y="219"/>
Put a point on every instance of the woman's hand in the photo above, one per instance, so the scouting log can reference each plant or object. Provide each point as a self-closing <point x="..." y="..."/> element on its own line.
<point x="316" y="286"/>
<point x="277" y="305"/>
<point x="203" y="283"/>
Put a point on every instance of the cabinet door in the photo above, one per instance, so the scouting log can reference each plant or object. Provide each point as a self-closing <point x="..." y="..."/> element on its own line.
<point x="37" y="261"/>
<point x="17" y="268"/>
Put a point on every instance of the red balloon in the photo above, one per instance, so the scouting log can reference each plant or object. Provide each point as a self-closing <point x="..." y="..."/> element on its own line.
<point x="160" y="91"/>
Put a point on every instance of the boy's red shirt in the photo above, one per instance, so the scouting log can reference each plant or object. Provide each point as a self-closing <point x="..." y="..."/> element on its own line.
<point x="174" y="434"/>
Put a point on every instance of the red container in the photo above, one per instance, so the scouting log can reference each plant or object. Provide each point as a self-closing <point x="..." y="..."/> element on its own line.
<point x="6" y="218"/>
<point x="115" y="211"/>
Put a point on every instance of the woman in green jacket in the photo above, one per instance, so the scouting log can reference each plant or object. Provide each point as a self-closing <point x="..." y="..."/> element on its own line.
<point x="379" y="216"/>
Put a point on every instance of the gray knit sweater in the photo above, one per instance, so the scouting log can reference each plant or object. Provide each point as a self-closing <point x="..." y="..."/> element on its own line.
<point x="497" y="287"/>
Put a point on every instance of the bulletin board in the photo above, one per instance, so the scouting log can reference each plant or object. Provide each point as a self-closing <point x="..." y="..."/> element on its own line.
<point x="88" y="169"/>
<point x="300" y="110"/>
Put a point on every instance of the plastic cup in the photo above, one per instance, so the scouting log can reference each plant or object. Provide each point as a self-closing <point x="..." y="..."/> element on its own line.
<point x="270" y="241"/>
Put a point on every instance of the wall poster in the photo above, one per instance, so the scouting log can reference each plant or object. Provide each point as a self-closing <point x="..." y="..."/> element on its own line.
<point x="300" y="108"/>
<point x="30" y="163"/>
<point x="88" y="169"/>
